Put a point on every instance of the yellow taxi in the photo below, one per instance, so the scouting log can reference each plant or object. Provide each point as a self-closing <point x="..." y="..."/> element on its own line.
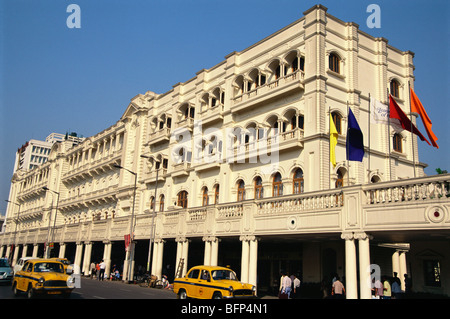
<point x="42" y="276"/>
<point x="212" y="282"/>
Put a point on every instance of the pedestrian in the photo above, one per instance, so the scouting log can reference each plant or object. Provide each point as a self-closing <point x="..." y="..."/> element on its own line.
<point x="408" y="284"/>
<point x="386" y="289"/>
<point x="102" y="270"/>
<point x="337" y="289"/>
<point x="396" y="288"/>
<point x="378" y="289"/>
<point x="296" y="287"/>
<point x="97" y="270"/>
<point x="285" y="286"/>
<point x="93" y="269"/>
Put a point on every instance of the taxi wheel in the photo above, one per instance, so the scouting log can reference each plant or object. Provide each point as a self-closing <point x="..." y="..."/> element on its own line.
<point x="30" y="292"/>
<point x="182" y="294"/>
<point x="217" y="295"/>
<point x="15" y="290"/>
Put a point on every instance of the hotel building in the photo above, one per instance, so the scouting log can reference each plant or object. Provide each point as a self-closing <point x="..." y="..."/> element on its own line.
<point x="232" y="167"/>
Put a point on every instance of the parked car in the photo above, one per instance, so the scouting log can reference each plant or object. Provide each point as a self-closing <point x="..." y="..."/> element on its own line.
<point x="19" y="264"/>
<point x="212" y="282"/>
<point x="42" y="276"/>
<point x="6" y="271"/>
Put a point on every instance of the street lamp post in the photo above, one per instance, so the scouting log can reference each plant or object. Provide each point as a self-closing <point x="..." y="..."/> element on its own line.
<point x="47" y="250"/>
<point x="152" y="234"/>
<point x="130" y="251"/>
<point x="16" y="222"/>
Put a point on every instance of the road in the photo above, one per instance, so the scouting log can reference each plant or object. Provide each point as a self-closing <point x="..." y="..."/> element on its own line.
<point x="94" y="289"/>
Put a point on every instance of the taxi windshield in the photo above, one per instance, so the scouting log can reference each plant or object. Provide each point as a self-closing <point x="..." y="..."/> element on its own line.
<point x="223" y="274"/>
<point x="48" y="267"/>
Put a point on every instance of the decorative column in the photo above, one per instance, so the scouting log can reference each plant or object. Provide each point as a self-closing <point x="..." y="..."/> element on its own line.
<point x="244" y="258"/>
<point x="159" y="260"/>
<point x="364" y="265"/>
<point x="24" y="250"/>
<point x="16" y="253"/>
<point x="107" y="257"/>
<point x="35" y="250"/>
<point x="351" y="280"/>
<point x="87" y="258"/>
<point x="207" y="253"/>
<point x="253" y="262"/>
<point x="78" y="255"/>
<point x="182" y="253"/>
<point x="62" y="250"/>
<point x="214" y="251"/>
<point x="211" y="250"/>
<point x="185" y="256"/>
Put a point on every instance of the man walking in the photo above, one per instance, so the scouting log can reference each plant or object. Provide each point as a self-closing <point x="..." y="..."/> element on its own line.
<point x="102" y="270"/>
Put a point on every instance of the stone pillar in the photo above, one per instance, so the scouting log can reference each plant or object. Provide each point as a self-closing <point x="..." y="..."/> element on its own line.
<point x="62" y="250"/>
<point x="207" y="254"/>
<point x="214" y="251"/>
<point x="107" y="257"/>
<point x="159" y="259"/>
<point x="253" y="262"/>
<point x="8" y="251"/>
<point x="244" y="258"/>
<point x="154" y="257"/>
<point x="87" y="258"/>
<point x="16" y="253"/>
<point x="364" y="265"/>
<point x="24" y="250"/>
<point x="395" y="263"/>
<point x="2" y="248"/>
<point x="128" y="270"/>
<point x="78" y="255"/>
<point x="351" y="280"/>
<point x="185" y="256"/>
<point x="35" y="250"/>
<point x="211" y="250"/>
<point x="403" y="269"/>
<point x="182" y="253"/>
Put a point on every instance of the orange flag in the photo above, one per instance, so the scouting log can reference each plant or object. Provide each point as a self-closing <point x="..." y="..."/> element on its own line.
<point x="417" y="107"/>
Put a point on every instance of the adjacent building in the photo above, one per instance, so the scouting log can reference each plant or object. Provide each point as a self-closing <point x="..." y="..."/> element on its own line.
<point x="232" y="167"/>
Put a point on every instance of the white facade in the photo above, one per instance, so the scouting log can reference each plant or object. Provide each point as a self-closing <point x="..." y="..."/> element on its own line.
<point x="239" y="155"/>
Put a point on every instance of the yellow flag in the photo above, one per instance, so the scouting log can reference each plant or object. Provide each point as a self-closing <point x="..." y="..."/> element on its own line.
<point x="333" y="141"/>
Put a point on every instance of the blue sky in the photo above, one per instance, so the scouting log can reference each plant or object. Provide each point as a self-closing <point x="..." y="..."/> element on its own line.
<point x="56" y="79"/>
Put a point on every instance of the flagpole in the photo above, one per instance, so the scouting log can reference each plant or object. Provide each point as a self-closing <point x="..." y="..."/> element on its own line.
<point x="348" y="165"/>
<point x="412" y="136"/>
<point x="329" y="148"/>
<point x="368" y="127"/>
<point x="389" y="137"/>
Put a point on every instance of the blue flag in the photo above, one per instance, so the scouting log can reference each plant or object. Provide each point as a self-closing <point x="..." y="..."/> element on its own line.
<point x="355" y="142"/>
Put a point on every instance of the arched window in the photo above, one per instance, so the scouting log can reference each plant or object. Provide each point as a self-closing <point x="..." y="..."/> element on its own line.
<point x="183" y="199"/>
<point x="205" y="198"/>
<point x="258" y="188"/>
<point x="161" y="203"/>
<point x="152" y="203"/>
<point x="337" y="118"/>
<point x="241" y="191"/>
<point x="397" y="142"/>
<point x="395" y="86"/>
<point x="298" y="181"/>
<point x="340" y="179"/>
<point x="277" y="185"/>
<point x="333" y="63"/>
<point x="216" y="194"/>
